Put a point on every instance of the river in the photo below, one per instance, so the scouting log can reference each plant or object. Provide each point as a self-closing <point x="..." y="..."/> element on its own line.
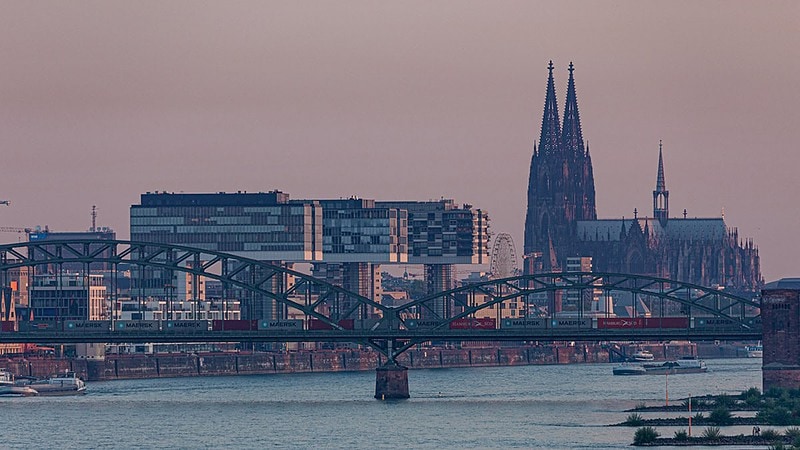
<point x="557" y="407"/>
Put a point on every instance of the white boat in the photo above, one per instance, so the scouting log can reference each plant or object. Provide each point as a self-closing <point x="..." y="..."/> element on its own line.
<point x="642" y="355"/>
<point x="8" y="386"/>
<point x="686" y="365"/>
<point x="629" y="369"/>
<point x="67" y="383"/>
<point x="754" y="351"/>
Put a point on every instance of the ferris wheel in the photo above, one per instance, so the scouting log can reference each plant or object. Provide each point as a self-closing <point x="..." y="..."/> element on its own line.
<point x="504" y="257"/>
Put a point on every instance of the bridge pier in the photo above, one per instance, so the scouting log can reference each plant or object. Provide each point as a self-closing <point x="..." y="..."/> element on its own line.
<point x="780" y="307"/>
<point x="391" y="381"/>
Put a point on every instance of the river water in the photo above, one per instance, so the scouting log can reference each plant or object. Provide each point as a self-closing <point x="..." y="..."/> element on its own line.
<point x="558" y="407"/>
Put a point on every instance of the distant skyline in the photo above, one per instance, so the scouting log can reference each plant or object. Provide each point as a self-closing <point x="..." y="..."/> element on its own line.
<point x="103" y="101"/>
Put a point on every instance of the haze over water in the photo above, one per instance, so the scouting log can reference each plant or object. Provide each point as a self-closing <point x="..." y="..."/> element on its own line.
<point x="554" y="407"/>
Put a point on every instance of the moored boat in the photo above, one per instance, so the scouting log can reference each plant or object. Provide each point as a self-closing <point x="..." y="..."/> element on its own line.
<point x="686" y="365"/>
<point x="642" y="355"/>
<point x="8" y="386"/>
<point x="629" y="369"/>
<point x="67" y="383"/>
<point x="754" y="351"/>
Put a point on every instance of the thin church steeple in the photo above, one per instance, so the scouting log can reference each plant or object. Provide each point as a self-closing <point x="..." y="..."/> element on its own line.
<point x="661" y="194"/>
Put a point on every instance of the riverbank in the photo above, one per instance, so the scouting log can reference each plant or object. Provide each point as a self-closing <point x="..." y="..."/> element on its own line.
<point x="162" y="365"/>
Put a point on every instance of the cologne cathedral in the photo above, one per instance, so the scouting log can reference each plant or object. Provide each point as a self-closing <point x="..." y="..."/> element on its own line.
<point x="561" y="220"/>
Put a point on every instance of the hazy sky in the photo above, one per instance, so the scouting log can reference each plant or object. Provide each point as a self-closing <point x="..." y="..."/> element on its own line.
<point x="102" y="101"/>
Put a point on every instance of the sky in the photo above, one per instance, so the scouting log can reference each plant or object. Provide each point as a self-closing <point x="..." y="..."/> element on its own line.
<point x="101" y="101"/>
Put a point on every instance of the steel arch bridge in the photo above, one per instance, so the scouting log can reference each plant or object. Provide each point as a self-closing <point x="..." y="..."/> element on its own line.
<point x="349" y="317"/>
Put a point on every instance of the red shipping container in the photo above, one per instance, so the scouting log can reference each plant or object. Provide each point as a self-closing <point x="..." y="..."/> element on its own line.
<point x="469" y="323"/>
<point x="234" y="325"/>
<point x="667" y="322"/>
<point x="7" y="326"/>
<point x="316" y="324"/>
<point x="620" y="322"/>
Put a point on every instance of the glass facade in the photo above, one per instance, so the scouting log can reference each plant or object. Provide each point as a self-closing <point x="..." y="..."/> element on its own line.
<point x="263" y="226"/>
<point x="439" y="232"/>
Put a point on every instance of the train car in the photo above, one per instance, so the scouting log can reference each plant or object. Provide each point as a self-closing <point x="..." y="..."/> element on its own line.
<point x="88" y="326"/>
<point x="318" y="325"/>
<point x="523" y="323"/>
<point x="234" y="325"/>
<point x="133" y="326"/>
<point x="572" y="322"/>
<point x="281" y="325"/>
<point x="185" y="326"/>
<point x="471" y="323"/>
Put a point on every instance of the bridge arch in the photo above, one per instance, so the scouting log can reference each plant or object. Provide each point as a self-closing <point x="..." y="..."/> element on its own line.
<point x="313" y="297"/>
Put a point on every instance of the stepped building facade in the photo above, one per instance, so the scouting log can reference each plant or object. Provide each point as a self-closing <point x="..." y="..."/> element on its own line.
<point x="561" y="220"/>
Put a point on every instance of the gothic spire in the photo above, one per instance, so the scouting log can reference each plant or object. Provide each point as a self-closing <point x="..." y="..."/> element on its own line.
<point x="550" y="137"/>
<point x="661" y="194"/>
<point x="661" y="185"/>
<point x="571" y="135"/>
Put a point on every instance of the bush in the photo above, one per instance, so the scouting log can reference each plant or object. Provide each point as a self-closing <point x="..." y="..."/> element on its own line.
<point x="640" y="405"/>
<point x="724" y="401"/>
<point x="712" y="433"/>
<point x="792" y="432"/>
<point x="752" y="392"/>
<point x="681" y="435"/>
<point x="777" y="415"/>
<point x="698" y="417"/>
<point x="645" y="435"/>
<point x="770" y="434"/>
<point x="634" y="420"/>
<point x="721" y="416"/>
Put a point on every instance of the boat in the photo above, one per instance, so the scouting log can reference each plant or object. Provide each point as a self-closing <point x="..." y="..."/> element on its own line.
<point x="629" y="369"/>
<point x="9" y="387"/>
<point x="67" y="383"/>
<point x="754" y="351"/>
<point x="642" y="355"/>
<point x="685" y="365"/>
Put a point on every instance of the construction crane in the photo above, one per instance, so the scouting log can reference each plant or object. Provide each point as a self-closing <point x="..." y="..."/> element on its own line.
<point x="27" y="231"/>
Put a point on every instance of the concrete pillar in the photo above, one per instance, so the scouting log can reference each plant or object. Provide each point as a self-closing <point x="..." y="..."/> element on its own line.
<point x="780" y="316"/>
<point x="391" y="382"/>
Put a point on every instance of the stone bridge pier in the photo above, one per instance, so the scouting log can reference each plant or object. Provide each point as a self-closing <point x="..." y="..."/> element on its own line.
<point x="780" y="316"/>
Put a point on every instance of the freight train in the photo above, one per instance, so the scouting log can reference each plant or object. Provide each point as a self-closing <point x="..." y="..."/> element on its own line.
<point x="297" y="325"/>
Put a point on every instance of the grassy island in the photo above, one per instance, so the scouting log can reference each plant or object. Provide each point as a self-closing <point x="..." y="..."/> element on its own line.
<point x="776" y="407"/>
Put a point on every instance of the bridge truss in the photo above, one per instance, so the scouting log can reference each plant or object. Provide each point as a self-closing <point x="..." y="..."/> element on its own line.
<point x="277" y="292"/>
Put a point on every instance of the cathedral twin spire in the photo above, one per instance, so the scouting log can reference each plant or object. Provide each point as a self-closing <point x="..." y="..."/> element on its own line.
<point x="561" y="182"/>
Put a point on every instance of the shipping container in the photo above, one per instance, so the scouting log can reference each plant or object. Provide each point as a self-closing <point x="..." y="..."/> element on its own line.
<point x="7" y="326"/>
<point x="576" y="322"/>
<point x="185" y="326"/>
<point x="281" y="325"/>
<point x="469" y="323"/>
<point x="40" y="325"/>
<point x="422" y="324"/>
<point x="132" y="326"/>
<point x="667" y="322"/>
<point x="89" y="326"/>
<point x="234" y="325"/>
<point x="317" y="325"/>
<point x="523" y="323"/>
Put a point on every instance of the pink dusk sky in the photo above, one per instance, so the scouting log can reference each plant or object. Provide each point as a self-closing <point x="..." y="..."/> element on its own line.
<point x="101" y="101"/>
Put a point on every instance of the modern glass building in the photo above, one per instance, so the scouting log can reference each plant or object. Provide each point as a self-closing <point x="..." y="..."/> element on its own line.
<point x="263" y="226"/>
